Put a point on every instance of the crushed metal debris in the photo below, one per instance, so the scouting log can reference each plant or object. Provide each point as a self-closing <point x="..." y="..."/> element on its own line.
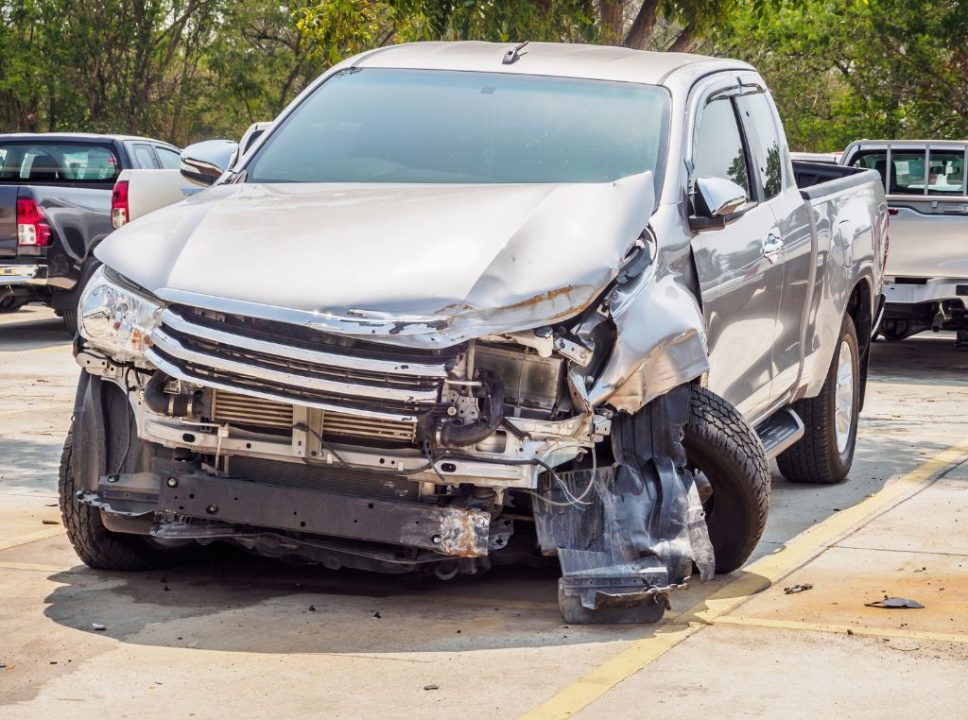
<point x="798" y="588"/>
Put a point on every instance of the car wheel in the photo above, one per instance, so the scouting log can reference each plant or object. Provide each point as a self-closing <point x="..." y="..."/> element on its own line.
<point x="826" y="451"/>
<point x="10" y="303"/>
<point x="730" y="463"/>
<point x="97" y="546"/>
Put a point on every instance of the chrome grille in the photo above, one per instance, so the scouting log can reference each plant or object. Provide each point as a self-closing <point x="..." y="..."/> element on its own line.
<point x="365" y="389"/>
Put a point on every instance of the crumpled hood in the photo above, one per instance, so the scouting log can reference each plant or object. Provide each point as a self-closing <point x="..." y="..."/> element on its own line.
<point x="419" y="265"/>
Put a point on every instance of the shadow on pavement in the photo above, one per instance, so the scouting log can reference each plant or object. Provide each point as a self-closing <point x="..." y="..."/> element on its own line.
<point x="230" y="601"/>
<point x="32" y="329"/>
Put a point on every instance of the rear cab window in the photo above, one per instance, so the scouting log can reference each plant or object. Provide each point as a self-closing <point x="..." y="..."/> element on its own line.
<point x="69" y="162"/>
<point x="935" y="173"/>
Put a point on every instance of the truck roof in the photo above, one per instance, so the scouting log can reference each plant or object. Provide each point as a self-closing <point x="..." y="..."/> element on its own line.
<point x="557" y="59"/>
<point x="67" y="137"/>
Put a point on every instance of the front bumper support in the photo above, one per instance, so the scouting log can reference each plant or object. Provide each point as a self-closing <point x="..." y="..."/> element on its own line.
<point x="182" y="490"/>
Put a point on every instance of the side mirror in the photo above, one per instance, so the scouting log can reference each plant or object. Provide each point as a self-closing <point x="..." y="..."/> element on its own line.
<point x="716" y="202"/>
<point x="203" y="163"/>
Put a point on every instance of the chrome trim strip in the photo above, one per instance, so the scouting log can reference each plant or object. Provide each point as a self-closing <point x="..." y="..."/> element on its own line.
<point x="177" y="373"/>
<point x="172" y="347"/>
<point x="177" y="322"/>
<point x="22" y="275"/>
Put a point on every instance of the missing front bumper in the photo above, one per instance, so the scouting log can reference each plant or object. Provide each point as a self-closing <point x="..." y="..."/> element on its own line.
<point x="177" y="491"/>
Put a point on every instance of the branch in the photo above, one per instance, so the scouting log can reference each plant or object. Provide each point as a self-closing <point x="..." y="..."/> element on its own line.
<point x="685" y="41"/>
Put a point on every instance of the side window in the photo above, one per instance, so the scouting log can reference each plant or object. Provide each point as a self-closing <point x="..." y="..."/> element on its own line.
<point x="764" y="140"/>
<point x="143" y="157"/>
<point x="946" y="173"/>
<point x="170" y="160"/>
<point x="719" y="146"/>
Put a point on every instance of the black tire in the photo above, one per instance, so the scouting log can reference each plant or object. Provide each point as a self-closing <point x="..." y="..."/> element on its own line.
<point x="722" y="446"/>
<point x="96" y="546"/>
<point x="11" y="304"/>
<point x="816" y="457"/>
<point x="70" y="321"/>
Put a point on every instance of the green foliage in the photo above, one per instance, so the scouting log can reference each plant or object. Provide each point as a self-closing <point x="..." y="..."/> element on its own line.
<point x="847" y="69"/>
<point x="183" y="70"/>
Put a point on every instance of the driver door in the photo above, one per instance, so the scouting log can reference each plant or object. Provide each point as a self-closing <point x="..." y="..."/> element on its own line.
<point x="739" y="267"/>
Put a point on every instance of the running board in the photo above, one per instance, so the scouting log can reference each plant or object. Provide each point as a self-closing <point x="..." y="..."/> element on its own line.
<point x="780" y="431"/>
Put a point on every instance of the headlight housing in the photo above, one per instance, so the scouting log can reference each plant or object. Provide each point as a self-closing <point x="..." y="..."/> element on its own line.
<point x="116" y="318"/>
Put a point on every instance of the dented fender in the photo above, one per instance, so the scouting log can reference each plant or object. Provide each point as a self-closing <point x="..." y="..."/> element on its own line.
<point x="660" y="342"/>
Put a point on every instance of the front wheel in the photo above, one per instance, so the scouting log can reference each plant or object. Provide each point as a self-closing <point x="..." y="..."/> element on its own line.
<point x="723" y="449"/>
<point x="826" y="451"/>
<point x="97" y="546"/>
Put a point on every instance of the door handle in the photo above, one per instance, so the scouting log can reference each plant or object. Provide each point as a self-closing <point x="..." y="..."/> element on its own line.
<point x="772" y="247"/>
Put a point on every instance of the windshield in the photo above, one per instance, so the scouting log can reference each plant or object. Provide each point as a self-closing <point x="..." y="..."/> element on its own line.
<point x="434" y="126"/>
<point x="58" y="162"/>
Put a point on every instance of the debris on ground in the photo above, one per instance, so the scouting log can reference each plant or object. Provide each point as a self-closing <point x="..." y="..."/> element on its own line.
<point x="377" y="615"/>
<point x="920" y="569"/>
<point x="166" y="589"/>
<point x="431" y="687"/>
<point x="99" y="627"/>
<point x="849" y="631"/>
<point x="50" y="522"/>
<point x="312" y="608"/>
<point x="798" y="588"/>
<point x="895" y="602"/>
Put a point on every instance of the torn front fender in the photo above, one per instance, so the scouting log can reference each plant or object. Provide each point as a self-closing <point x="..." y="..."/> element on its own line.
<point x="660" y="342"/>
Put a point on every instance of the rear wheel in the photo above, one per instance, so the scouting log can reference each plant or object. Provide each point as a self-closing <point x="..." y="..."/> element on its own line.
<point x="826" y="451"/>
<point x="723" y="449"/>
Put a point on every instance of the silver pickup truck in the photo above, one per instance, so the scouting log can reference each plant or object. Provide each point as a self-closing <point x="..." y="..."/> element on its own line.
<point x="926" y="278"/>
<point x="469" y="303"/>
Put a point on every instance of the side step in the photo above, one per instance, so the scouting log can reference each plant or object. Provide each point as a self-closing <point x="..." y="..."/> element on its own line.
<point x="780" y="431"/>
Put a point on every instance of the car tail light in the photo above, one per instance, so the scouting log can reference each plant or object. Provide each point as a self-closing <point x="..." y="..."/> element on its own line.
<point x="32" y="227"/>
<point x="119" y="204"/>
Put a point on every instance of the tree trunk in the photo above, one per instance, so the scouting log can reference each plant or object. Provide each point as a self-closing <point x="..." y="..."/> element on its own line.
<point x="612" y="18"/>
<point x="685" y="41"/>
<point x="640" y="34"/>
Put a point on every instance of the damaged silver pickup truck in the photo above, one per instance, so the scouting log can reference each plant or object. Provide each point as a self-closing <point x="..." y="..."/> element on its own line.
<point x="465" y="304"/>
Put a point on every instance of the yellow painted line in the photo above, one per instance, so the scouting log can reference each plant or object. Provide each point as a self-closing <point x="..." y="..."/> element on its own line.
<point x="32" y="567"/>
<point x="31" y="537"/>
<point x="755" y="578"/>
<point x="841" y="629"/>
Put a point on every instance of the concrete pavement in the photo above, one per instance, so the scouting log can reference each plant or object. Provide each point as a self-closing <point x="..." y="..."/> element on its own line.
<point x="235" y="636"/>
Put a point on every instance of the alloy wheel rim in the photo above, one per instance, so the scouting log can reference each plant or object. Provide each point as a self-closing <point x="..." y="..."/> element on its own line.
<point x="844" y="396"/>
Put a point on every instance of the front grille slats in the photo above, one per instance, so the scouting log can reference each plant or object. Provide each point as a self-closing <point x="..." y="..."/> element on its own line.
<point x="366" y="390"/>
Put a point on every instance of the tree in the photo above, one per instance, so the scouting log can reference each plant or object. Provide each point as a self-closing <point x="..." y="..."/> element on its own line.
<point x="846" y="69"/>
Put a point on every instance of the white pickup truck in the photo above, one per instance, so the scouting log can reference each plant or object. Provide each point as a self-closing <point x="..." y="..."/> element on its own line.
<point x="926" y="277"/>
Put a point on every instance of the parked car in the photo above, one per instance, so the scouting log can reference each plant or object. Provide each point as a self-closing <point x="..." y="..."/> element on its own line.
<point x="139" y="192"/>
<point x="926" y="278"/>
<point x="470" y="303"/>
<point x="55" y="207"/>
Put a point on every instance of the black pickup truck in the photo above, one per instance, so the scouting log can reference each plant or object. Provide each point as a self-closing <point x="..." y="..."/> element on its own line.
<point x="55" y="207"/>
